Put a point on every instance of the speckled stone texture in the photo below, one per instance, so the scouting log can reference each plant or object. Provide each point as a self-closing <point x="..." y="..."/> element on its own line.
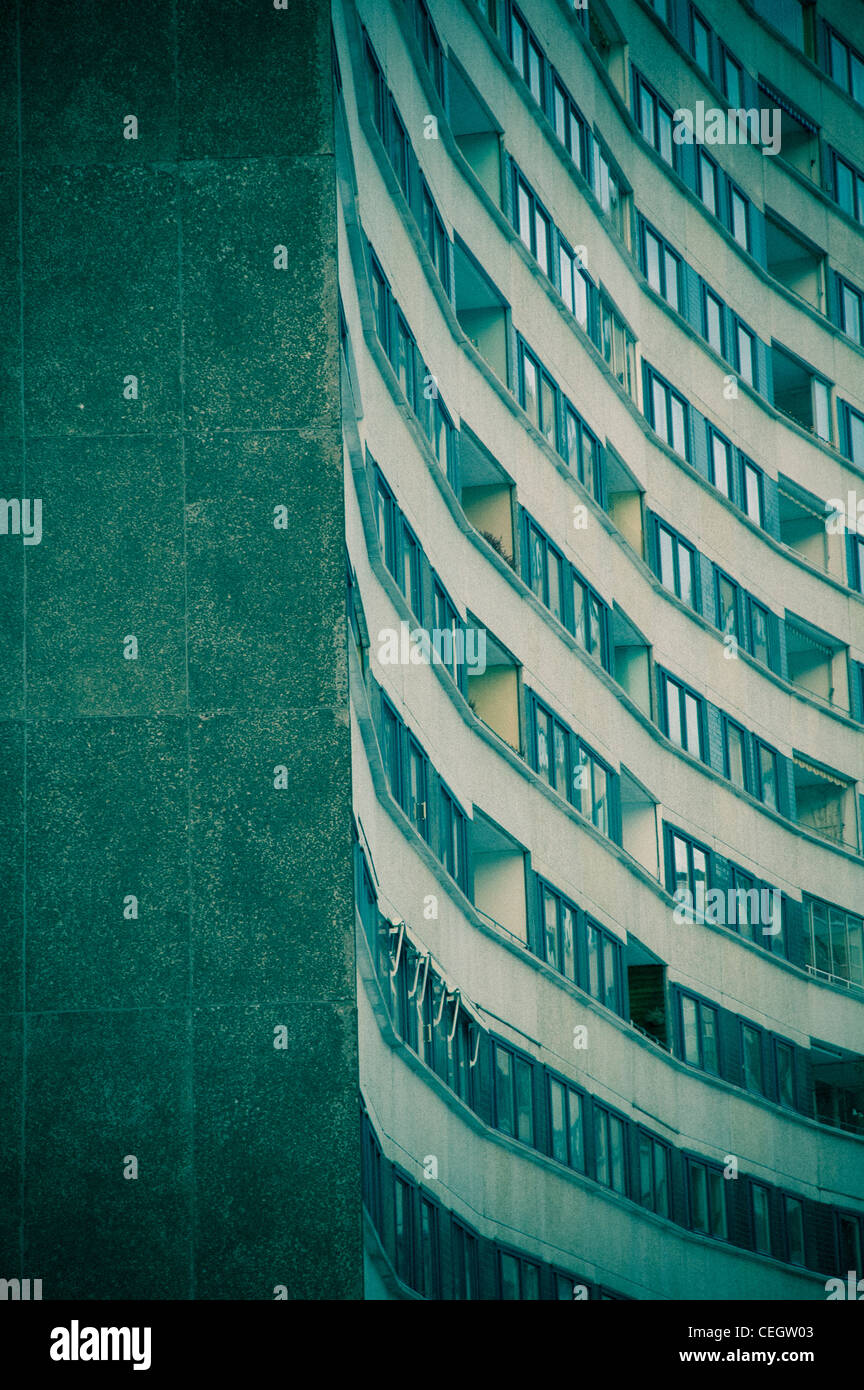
<point x="168" y="912"/>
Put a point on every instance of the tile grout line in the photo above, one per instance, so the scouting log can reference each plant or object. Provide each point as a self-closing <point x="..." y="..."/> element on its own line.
<point x="24" y="807"/>
<point x="187" y="711"/>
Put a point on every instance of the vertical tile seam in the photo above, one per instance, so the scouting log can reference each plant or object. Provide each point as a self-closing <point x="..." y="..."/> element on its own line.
<point x="24" y="808"/>
<point x="190" y="1028"/>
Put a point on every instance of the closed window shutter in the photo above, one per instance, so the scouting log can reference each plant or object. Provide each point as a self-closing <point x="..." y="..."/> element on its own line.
<point x="804" y="1080"/>
<point x="730" y="1047"/>
<point x="793" y="931"/>
<point x="820" y="1237"/>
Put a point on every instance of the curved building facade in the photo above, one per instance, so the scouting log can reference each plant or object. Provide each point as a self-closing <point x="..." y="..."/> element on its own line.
<point x="602" y="324"/>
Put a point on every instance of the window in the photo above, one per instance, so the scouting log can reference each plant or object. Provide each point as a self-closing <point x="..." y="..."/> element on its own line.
<point x="604" y="966"/>
<point x="853" y="434"/>
<point x="707" y="1199"/>
<point x="452" y="837"/>
<point x="514" y="1107"/>
<point x="466" y="1281"/>
<point x="731" y="79"/>
<point x="740" y="218"/>
<point x="793" y="19"/>
<point x="687" y="868"/>
<point x="751" y="1059"/>
<point x="518" y="1278"/>
<point x="677" y="564"/>
<point x="714" y="330"/>
<point x="848" y="188"/>
<point x="533" y="225"/>
<point x="735" y="755"/>
<point x="851" y="311"/>
<point x="545" y="570"/>
<point x="846" y="66"/>
<point x="849" y="1241"/>
<point x="582" y="451"/>
<point x="758" y="633"/>
<point x="610" y="192"/>
<point x="569" y="125"/>
<point x="728" y="606"/>
<point x="565" y="1124"/>
<point x="589" y="619"/>
<point x="404" y="363"/>
<point x="392" y="749"/>
<point x="668" y="413"/>
<point x="653" y="1174"/>
<point x="404" y="1229"/>
<point x="745" y="904"/>
<point x="433" y="53"/>
<point x="430" y="1257"/>
<point x="559" y="927"/>
<point x="793" y="1211"/>
<point x="538" y="395"/>
<point x="699" y="1034"/>
<point x="435" y="237"/>
<point x="609" y="1149"/>
<point x="720" y="455"/>
<point x="575" y="285"/>
<point x="745" y="351"/>
<point x="618" y="346"/>
<point x="760" y="1218"/>
<point x="418" y="787"/>
<point x="526" y="55"/>
<point x="591" y="783"/>
<point x="784" y="1068"/>
<point x="655" y="120"/>
<point x="447" y="621"/>
<point x="410" y="580"/>
<point x="398" y="148"/>
<point x="683" y="716"/>
<point x="379" y="302"/>
<point x="708" y="182"/>
<point x="766" y="769"/>
<point x="376" y="88"/>
<point x="661" y="266"/>
<point x="751" y="477"/>
<point x="700" y="41"/>
<point x="836" y="940"/>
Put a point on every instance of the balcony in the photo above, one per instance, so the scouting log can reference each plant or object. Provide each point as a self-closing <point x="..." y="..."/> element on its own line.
<point x="631" y="660"/>
<point x="639" y="823"/>
<point x="817" y="662"/>
<point x="493" y="693"/>
<point x="476" y="131"/>
<point x="646" y="988"/>
<point x="798" y="264"/>
<point x="487" y="496"/>
<point x="481" y="310"/>
<point x="498" y="863"/>
<point x="825" y="802"/>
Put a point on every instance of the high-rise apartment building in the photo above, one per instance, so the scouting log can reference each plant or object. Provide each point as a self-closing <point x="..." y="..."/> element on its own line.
<point x="602" y="318"/>
<point x="500" y="937"/>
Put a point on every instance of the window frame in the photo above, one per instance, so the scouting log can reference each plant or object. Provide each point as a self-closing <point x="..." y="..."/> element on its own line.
<point x="712" y="1175"/>
<point x="683" y="693"/>
<point x="701" y="1007"/>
